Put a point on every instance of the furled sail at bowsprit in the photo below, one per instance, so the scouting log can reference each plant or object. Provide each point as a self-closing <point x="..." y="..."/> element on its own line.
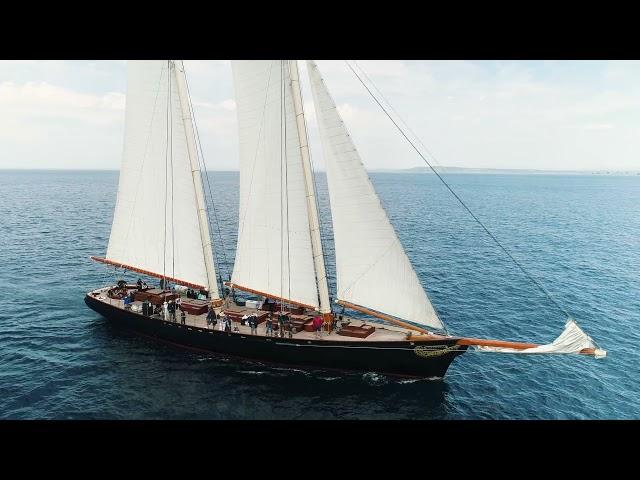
<point x="159" y="225"/>
<point x="372" y="268"/>
<point x="274" y="255"/>
<point x="572" y="340"/>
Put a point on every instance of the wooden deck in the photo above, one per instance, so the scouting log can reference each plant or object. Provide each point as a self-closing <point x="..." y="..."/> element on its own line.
<point x="381" y="333"/>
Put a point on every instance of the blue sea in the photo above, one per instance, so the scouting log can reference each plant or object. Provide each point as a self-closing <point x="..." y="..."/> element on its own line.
<point x="578" y="235"/>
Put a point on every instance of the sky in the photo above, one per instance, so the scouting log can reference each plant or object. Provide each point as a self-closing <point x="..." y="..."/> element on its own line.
<point x="547" y="115"/>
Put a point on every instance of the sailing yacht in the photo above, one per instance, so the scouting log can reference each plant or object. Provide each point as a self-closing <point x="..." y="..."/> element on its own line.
<point x="162" y="229"/>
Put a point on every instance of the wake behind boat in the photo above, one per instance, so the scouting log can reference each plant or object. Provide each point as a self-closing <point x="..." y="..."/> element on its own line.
<point x="161" y="228"/>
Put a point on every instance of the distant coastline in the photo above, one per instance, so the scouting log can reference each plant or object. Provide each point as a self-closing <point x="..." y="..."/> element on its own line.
<point x="426" y="170"/>
<point x="507" y="171"/>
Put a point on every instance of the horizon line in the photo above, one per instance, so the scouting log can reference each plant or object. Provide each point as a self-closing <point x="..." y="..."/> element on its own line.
<point x="381" y="169"/>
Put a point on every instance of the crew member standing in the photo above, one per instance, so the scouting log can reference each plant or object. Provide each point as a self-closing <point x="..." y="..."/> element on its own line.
<point x="172" y="310"/>
<point x="253" y="323"/>
<point x="317" y="325"/>
<point x="270" y="325"/>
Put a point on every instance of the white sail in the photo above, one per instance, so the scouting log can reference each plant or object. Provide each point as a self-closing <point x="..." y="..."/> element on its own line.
<point x="274" y="253"/>
<point x="156" y="226"/>
<point x="572" y="340"/>
<point x="312" y="206"/>
<point x="372" y="268"/>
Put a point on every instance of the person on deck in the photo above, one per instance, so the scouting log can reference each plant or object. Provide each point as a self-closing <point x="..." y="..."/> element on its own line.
<point x="183" y="317"/>
<point x="172" y="311"/>
<point x="283" y="319"/>
<point x="280" y="325"/>
<point x="317" y="325"/>
<point x="253" y="323"/>
<point x="269" y="332"/>
<point x="139" y="284"/>
<point x="287" y="326"/>
<point x="227" y="324"/>
<point x="145" y="308"/>
<point x="211" y="318"/>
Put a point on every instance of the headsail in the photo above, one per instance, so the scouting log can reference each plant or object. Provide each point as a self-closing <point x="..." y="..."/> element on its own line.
<point x="372" y="268"/>
<point x="274" y="254"/>
<point x="157" y="225"/>
<point x="572" y="340"/>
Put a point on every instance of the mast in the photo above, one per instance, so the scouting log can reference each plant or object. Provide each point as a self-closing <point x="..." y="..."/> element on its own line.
<point x="197" y="178"/>
<point x="314" y="223"/>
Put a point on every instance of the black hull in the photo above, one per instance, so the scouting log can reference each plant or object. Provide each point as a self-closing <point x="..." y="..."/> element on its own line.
<point x="420" y="359"/>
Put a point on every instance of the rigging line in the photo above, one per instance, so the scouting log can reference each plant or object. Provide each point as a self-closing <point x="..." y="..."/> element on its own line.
<point x="206" y="174"/>
<point x="433" y="158"/>
<point x="527" y="274"/>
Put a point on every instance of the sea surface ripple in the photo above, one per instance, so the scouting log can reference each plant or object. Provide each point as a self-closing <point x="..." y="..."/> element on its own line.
<point x="578" y="235"/>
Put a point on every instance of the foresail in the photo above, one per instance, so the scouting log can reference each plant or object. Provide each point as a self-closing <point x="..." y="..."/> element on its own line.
<point x="372" y="268"/>
<point x="274" y="253"/>
<point x="572" y="340"/>
<point x="155" y="225"/>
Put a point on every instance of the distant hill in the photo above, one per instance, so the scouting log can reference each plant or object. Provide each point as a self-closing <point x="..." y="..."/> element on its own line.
<point x="508" y="171"/>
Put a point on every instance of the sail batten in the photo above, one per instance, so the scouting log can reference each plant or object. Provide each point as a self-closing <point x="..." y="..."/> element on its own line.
<point x="274" y="253"/>
<point x="156" y="225"/>
<point x="372" y="268"/>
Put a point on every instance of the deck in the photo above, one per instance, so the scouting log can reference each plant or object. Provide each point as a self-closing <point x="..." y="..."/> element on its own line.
<point x="382" y="332"/>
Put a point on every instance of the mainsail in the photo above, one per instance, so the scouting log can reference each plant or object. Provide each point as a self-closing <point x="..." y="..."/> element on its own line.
<point x="372" y="268"/>
<point x="159" y="225"/>
<point x="274" y="253"/>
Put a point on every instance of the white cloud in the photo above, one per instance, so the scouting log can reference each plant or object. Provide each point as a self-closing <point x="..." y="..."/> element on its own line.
<point x="48" y="126"/>
<point x="507" y="114"/>
<point x="43" y="95"/>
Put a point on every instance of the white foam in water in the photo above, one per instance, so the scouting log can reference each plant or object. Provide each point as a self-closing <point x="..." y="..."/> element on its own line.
<point x="414" y="380"/>
<point x="375" y="379"/>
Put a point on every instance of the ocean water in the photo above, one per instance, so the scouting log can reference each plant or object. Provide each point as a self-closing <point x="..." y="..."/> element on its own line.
<point x="579" y="235"/>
